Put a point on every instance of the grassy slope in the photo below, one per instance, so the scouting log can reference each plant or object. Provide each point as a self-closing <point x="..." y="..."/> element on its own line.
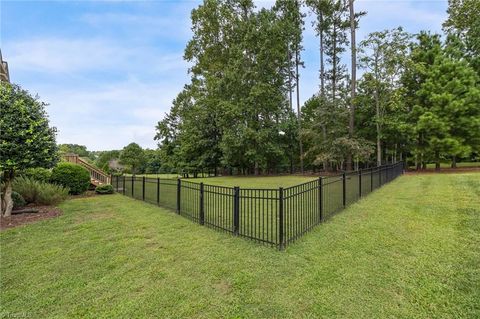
<point x="411" y="249"/>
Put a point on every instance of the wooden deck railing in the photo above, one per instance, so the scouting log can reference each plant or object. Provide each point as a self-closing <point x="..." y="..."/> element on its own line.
<point x="97" y="176"/>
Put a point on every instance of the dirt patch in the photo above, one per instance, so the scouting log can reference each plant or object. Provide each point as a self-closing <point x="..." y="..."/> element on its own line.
<point x="223" y="287"/>
<point x="444" y="170"/>
<point x="44" y="212"/>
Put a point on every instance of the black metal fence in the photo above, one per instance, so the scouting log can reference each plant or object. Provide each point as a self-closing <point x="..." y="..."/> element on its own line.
<point x="273" y="216"/>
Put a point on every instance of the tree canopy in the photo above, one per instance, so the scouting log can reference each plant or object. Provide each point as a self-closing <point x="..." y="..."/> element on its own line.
<point x="26" y="139"/>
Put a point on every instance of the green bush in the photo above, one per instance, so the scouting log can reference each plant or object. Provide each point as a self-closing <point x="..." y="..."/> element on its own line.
<point x="39" y="174"/>
<point x="18" y="200"/>
<point x="104" y="189"/>
<point x="73" y="176"/>
<point x="51" y="194"/>
<point x="27" y="187"/>
<point x="38" y="192"/>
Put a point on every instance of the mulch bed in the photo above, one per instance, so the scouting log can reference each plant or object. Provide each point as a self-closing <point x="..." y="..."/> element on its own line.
<point x="44" y="212"/>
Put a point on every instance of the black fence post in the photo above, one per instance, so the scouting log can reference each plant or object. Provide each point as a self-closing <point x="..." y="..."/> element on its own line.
<point x="320" y="198"/>
<point x="344" y="189"/>
<point x="236" y="210"/>
<point x="143" y="188"/>
<point x="133" y="184"/>
<point x="202" y="207"/>
<point x="158" y="191"/>
<point x="380" y="177"/>
<point x="281" y="240"/>
<point x="123" y="186"/>
<point x="359" y="183"/>
<point x="371" y="180"/>
<point x="179" y="186"/>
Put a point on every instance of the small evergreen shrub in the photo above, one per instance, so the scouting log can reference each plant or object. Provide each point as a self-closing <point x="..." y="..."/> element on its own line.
<point x="40" y="193"/>
<point x="39" y="174"/>
<point x="51" y="194"/>
<point x="27" y="187"/>
<point x="18" y="200"/>
<point x="104" y="189"/>
<point x="73" y="176"/>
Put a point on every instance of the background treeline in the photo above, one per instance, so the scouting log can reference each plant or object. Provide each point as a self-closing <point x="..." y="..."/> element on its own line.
<point x="417" y="96"/>
<point x="131" y="159"/>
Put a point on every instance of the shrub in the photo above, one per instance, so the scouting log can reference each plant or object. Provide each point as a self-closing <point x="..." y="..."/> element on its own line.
<point x="38" y="192"/>
<point x="27" y="187"/>
<point x="73" y="176"/>
<point x="18" y="200"/>
<point x="104" y="189"/>
<point x="39" y="174"/>
<point x="51" y="194"/>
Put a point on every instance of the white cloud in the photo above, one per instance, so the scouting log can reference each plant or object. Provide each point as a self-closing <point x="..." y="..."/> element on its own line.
<point x="109" y="116"/>
<point x="53" y="54"/>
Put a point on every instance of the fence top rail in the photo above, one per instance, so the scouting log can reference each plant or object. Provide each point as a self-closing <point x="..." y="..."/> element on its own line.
<point x="327" y="180"/>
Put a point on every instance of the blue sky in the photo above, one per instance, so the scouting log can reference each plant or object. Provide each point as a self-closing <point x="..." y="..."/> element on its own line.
<point x="110" y="69"/>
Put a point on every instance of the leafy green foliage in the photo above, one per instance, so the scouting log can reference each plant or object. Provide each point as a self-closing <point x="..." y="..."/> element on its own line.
<point x="51" y="194"/>
<point x="231" y="112"/>
<point x="80" y="150"/>
<point x="104" y="189"/>
<point x="18" y="200"/>
<point x="464" y="24"/>
<point x="104" y="158"/>
<point x="133" y="156"/>
<point x="39" y="174"/>
<point x="26" y="139"/>
<point x="74" y="177"/>
<point x="37" y="192"/>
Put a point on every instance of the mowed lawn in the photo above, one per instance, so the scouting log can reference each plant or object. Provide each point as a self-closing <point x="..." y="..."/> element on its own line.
<point x="255" y="182"/>
<point x="409" y="250"/>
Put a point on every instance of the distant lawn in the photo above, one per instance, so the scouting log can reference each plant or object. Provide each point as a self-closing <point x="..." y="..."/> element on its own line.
<point x="243" y="181"/>
<point x="254" y="181"/>
<point x="409" y="250"/>
<point x="168" y="176"/>
<point x="449" y="164"/>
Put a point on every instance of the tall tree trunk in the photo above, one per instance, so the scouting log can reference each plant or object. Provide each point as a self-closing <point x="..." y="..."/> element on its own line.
<point x="334" y="63"/>
<point x="454" y="162"/>
<point x="322" y="63"/>
<point x="290" y="81"/>
<point x="299" y="114"/>
<point x="7" y="203"/>
<point x="377" y="122"/>
<point x="437" y="161"/>
<point x="322" y="79"/>
<point x="353" y="82"/>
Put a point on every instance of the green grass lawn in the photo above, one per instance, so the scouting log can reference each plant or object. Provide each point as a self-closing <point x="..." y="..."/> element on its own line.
<point x="254" y="181"/>
<point x="449" y="164"/>
<point x="409" y="250"/>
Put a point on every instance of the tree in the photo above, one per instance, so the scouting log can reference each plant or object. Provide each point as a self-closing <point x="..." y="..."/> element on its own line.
<point x="132" y="155"/>
<point x="422" y="56"/>
<point x="353" y="19"/>
<point x="451" y="122"/>
<point x="464" y="23"/>
<point x="80" y="150"/>
<point x="383" y="56"/>
<point x="104" y="157"/>
<point x="231" y="112"/>
<point x="26" y="140"/>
